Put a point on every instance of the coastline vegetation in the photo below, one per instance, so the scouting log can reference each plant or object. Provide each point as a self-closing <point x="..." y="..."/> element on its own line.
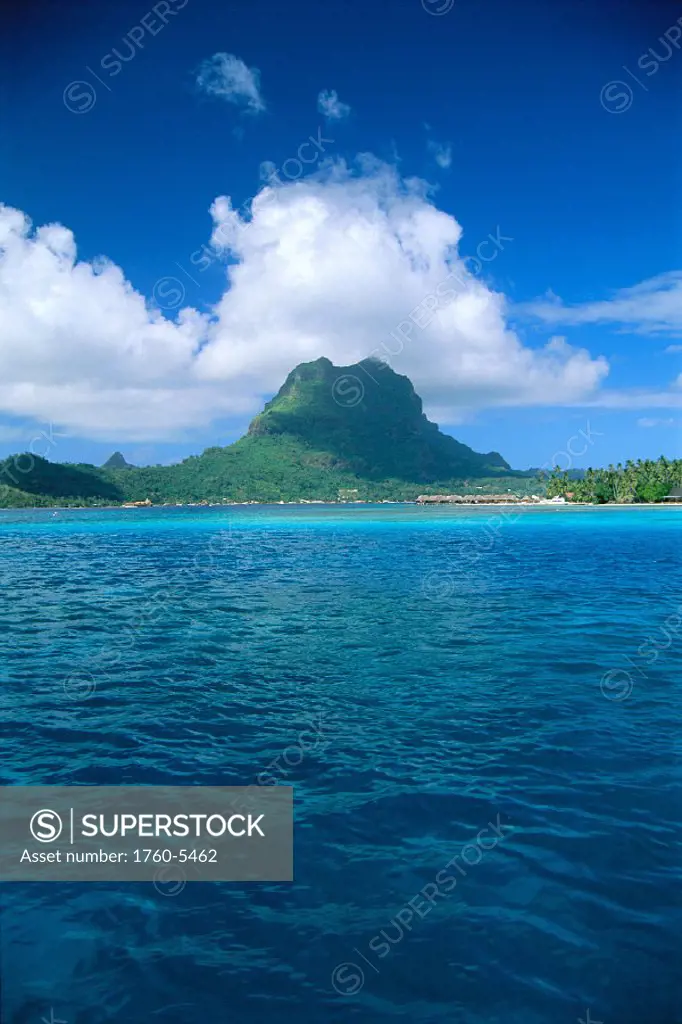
<point x="645" y="481"/>
<point x="275" y="469"/>
<point x="282" y="469"/>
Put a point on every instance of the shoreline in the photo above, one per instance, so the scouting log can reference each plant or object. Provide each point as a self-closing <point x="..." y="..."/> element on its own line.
<point x="348" y="504"/>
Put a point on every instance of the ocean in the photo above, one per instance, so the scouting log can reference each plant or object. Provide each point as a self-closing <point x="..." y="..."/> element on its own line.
<point x="479" y="712"/>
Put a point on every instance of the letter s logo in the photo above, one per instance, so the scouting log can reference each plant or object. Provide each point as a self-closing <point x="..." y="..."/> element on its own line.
<point x="46" y="826"/>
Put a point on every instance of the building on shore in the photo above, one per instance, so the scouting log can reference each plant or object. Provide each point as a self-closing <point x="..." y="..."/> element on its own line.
<point x="487" y="499"/>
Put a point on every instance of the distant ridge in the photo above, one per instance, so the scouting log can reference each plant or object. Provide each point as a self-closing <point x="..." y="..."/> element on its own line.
<point x="116" y="461"/>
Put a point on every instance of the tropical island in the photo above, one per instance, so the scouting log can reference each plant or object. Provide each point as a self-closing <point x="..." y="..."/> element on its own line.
<point x="349" y="433"/>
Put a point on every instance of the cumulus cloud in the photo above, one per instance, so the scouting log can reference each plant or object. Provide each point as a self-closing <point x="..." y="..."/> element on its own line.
<point x="79" y="346"/>
<point x="649" y="423"/>
<point x="329" y="104"/>
<point x="441" y="152"/>
<point x="228" y="77"/>
<point x="652" y="307"/>
<point x="344" y="264"/>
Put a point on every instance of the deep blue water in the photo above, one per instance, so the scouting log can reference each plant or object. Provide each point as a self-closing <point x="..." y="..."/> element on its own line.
<point x="415" y="675"/>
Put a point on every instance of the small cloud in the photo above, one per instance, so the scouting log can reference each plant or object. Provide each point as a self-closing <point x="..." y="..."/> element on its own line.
<point x="651" y="307"/>
<point x="10" y="435"/>
<point x="329" y="104"/>
<point x="441" y="152"/>
<point x="557" y="343"/>
<point x="673" y="349"/>
<point x="266" y="170"/>
<point x="646" y="422"/>
<point x="228" y="77"/>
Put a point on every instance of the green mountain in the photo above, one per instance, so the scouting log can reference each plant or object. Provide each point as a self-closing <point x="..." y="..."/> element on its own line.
<point x="116" y="461"/>
<point x="29" y="480"/>
<point x="351" y="431"/>
<point x="370" y="419"/>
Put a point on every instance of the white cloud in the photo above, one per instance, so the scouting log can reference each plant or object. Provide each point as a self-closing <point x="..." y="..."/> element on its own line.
<point x="651" y="307"/>
<point x="333" y="264"/>
<point x="441" y="152"/>
<point x="329" y="104"/>
<point x="266" y="170"/>
<point x="80" y="347"/>
<point x="339" y="264"/>
<point x="228" y="77"/>
<point x="636" y="398"/>
<point x="674" y="349"/>
<point x="646" y="422"/>
<point x="20" y="436"/>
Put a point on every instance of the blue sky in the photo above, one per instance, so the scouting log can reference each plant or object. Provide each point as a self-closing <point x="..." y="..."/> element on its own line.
<point x="553" y="129"/>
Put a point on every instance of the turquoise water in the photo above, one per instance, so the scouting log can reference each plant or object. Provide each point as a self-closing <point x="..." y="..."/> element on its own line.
<point x="421" y="677"/>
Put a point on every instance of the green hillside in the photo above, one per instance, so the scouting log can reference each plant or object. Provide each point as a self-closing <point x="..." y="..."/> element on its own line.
<point x="31" y="480"/>
<point x="370" y="419"/>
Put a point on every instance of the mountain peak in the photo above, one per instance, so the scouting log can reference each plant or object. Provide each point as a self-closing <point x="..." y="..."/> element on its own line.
<point x="116" y="461"/>
<point x="370" y="420"/>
